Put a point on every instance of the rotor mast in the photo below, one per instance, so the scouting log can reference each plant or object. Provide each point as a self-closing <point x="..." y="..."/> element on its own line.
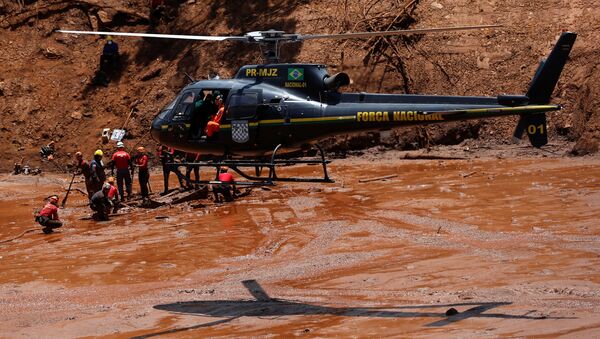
<point x="270" y="42"/>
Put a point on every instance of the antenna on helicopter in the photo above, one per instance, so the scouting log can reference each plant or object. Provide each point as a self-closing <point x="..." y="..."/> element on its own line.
<point x="270" y="41"/>
<point x="213" y="75"/>
<point x="189" y="77"/>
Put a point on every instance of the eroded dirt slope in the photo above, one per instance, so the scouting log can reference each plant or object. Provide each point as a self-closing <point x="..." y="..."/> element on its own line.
<point x="45" y="91"/>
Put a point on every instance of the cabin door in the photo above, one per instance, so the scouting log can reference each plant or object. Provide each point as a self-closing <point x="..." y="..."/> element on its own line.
<point x="242" y="115"/>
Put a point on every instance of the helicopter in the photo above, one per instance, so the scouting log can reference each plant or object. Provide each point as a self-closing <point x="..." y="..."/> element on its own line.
<point x="276" y="106"/>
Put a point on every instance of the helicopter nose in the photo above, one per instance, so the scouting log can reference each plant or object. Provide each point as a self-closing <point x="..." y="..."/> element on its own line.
<point x="156" y="128"/>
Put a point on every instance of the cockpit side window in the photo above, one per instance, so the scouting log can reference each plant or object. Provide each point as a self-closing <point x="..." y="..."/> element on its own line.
<point x="243" y="105"/>
<point x="183" y="110"/>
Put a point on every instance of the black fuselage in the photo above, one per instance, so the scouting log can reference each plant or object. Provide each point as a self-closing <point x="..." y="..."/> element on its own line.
<point x="293" y="104"/>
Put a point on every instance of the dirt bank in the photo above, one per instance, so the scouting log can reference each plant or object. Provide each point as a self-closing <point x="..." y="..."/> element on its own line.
<point x="45" y="91"/>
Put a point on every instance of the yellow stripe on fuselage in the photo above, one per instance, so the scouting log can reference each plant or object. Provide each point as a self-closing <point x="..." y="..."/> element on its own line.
<point x="507" y="109"/>
<point x="296" y="120"/>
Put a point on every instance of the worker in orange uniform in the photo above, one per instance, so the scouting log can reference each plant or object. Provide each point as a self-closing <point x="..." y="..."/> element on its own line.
<point x="122" y="161"/>
<point x="141" y="162"/>
<point x="214" y="125"/>
<point x="227" y="186"/>
<point x="48" y="216"/>
<point x="113" y="194"/>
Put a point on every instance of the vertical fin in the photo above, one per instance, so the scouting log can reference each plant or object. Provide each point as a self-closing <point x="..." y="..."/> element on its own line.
<point x="541" y="88"/>
<point x="548" y="72"/>
<point x="535" y="127"/>
<point x="256" y="290"/>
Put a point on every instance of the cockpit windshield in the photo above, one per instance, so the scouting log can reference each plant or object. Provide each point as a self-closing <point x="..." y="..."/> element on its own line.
<point x="165" y="111"/>
<point x="183" y="110"/>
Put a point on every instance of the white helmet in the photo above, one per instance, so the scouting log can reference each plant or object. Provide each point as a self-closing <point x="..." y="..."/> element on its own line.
<point x="120" y="144"/>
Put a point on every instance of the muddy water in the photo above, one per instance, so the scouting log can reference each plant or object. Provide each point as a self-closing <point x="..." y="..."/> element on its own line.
<point x="512" y="245"/>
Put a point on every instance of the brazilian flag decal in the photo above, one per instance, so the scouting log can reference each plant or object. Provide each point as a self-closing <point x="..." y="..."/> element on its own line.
<point x="296" y="74"/>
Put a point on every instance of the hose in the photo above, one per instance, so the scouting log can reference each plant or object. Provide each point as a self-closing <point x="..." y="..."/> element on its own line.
<point x="18" y="236"/>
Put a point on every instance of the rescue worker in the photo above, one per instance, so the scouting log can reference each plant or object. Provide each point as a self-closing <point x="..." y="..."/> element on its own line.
<point x="192" y="157"/>
<point x="198" y="118"/>
<point x="82" y="167"/>
<point x="110" y="55"/>
<point x="48" y="216"/>
<point x="101" y="204"/>
<point x="97" y="172"/>
<point x="167" y="156"/>
<point x="227" y="189"/>
<point x="214" y="125"/>
<point x="141" y="162"/>
<point x="113" y="194"/>
<point x="122" y="161"/>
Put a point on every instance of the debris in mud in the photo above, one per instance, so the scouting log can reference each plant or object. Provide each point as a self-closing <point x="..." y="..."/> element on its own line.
<point x="378" y="178"/>
<point x="466" y="175"/>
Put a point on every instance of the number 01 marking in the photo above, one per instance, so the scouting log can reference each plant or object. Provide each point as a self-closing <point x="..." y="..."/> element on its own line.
<point x="532" y="129"/>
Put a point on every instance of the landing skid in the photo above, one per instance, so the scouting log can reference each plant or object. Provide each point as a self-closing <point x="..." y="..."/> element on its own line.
<point x="240" y="167"/>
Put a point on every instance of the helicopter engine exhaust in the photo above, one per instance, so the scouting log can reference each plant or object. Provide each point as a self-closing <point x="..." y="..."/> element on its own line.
<point x="336" y="81"/>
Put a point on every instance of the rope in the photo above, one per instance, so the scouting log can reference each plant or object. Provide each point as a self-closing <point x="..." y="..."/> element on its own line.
<point x="18" y="236"/>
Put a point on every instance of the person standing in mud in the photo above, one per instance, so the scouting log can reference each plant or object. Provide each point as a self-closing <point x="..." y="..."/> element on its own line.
<point x="167" y="158"/>
<point x="97" y="172"/>
<point x="122" y="161"/>
<point x="82" y="167"/>
<point x="141" y="162"/>
<point x="192" y="157"/>
<point x="101" y="204"/>
<point x="48" y="216"/>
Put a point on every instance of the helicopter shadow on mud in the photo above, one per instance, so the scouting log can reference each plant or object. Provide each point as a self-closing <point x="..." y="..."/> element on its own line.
<point x="265" y="306"/>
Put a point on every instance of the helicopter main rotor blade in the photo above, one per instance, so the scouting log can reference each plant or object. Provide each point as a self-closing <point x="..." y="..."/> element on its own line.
<point x="160" y="36"/>
<point x="399" y="32"/>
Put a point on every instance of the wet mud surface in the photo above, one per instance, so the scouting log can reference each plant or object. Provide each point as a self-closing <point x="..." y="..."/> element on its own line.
<point x="513" y="245"/>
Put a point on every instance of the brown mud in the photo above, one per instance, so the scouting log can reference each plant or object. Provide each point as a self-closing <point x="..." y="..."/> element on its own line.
<point x="511" y="244"/>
